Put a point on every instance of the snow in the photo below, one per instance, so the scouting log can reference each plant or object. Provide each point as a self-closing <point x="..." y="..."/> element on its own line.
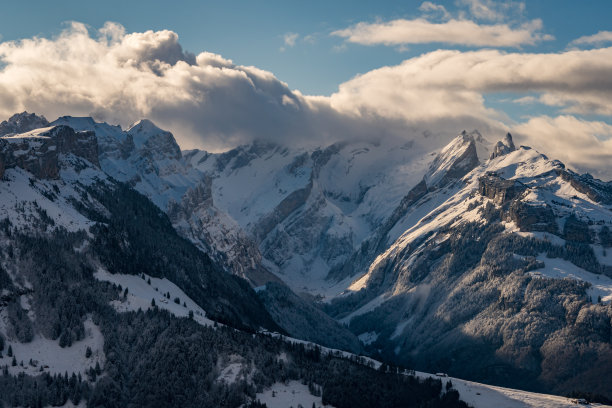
<point x="475" y="394"/>
<point x="229" y="374"/>
<point x="368" y="337"/>
<point x="291" y="394"/>
<point x="140" y="294"/>
<point x="20" y="201"/>
<point x="399" y="329"/>
<point x="55" y="359"/>
<point x="557" y="268"/>
<point x="604" y="255"/>
<point x="487" y="396"/>
<point x="368" y="307"/>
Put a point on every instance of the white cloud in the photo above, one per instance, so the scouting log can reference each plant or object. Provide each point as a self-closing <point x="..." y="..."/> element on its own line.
<point x="454" y="31"/>
<point x="600" y="38"/>
<point x="208" y="101"/>
<point x="586" y="145"/>
<point x="448" y="82"/>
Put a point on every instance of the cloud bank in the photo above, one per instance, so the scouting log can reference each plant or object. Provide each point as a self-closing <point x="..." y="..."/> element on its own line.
<point x="208" y="101"/>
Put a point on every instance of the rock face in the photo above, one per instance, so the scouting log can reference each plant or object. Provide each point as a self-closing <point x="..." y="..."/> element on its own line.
<point x="498" y="189"/>
<point x="196" y="217"/>
<point x="596" y="190"/>
<point x="463" y="290"/>
<point x="22" y="122"/>
<point x="38" y="151"/>
<point x="532" y="217"/>
<point x="576" y="230"/>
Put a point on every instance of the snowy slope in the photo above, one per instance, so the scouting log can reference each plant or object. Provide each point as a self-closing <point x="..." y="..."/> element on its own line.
<point x="309" y="209"/>
<point x="141" y="293"/>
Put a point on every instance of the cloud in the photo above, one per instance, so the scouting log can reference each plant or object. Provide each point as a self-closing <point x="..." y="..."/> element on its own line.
<point x="289" y="39"/>
<point x="209" y="101"/>
<point x="455" y="32"/>
<point x="586" y="145"/>
<point x="433" y="9"/>
<point x="446" y="82"/>
<point x="206" y="100"/>
<point x="600" y="38"/>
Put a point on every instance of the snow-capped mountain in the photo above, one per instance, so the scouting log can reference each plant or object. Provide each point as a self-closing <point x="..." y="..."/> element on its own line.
<point x="502" y="274"/>
<point x="149" y="160"/>
<point x="308" y="210"/>
<point x="450" y="260"/>
<point x="52" y="183"/>
<point x="102" y="303"/>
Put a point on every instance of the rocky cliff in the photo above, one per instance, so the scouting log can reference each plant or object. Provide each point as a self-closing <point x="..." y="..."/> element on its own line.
<point x="38" y="151"/>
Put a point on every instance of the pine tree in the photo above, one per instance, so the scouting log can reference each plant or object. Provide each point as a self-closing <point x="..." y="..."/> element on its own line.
<point x="153" y="302"/>
<point x="88" y="352"/>
<point x="14" y="362"/>
<point x="10" y="351"/>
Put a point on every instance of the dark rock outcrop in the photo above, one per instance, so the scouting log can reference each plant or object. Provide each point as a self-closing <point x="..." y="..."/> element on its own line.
<point x="499" y="189"/>
<point x="40" y="154"/>
<point x="576" y="230"/>
<point x="532" y="217"/>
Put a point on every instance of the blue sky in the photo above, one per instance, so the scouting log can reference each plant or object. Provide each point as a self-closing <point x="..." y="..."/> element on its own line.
<point x="218" y="74"/>
<point x="251" y="32"/>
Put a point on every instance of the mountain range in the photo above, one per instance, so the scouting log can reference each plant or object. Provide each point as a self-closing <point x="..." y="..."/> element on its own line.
<point x="483" y="260"/>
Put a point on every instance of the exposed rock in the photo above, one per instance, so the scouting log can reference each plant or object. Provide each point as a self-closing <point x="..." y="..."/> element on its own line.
<point x="21" y="123"/>
<point x="533" y="217"/>
<point x="498" y="189"/>
<point x="212" y="230"/>
<point x="595" y="189"/>
<point x="39" y="153"/>
<point x="289" y="204"/>
<point x="457" y="159"/>
<point x="576" y="230"/>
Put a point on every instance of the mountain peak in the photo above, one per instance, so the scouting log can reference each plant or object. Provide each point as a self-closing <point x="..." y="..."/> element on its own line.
<point x="503" y="147"/>
<point x="454" y="161"/>
<point x="147" y="136"/>
<point x="144" y="126"/>
<point x="22" y="122"/>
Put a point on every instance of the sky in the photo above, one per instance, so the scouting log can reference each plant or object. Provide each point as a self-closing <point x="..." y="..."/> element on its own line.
<point x="219" y="74"/>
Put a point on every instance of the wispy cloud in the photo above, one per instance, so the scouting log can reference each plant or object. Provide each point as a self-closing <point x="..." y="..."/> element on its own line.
<point x="602" y="37"/>
<point x="434" y="10"/>
<point x="289" y="40"/>
<point x="491" y="10"/>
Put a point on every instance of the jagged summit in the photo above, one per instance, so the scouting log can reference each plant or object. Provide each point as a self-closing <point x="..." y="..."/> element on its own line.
<point x="503" y="147"/>
<point x="22" y="122"/>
